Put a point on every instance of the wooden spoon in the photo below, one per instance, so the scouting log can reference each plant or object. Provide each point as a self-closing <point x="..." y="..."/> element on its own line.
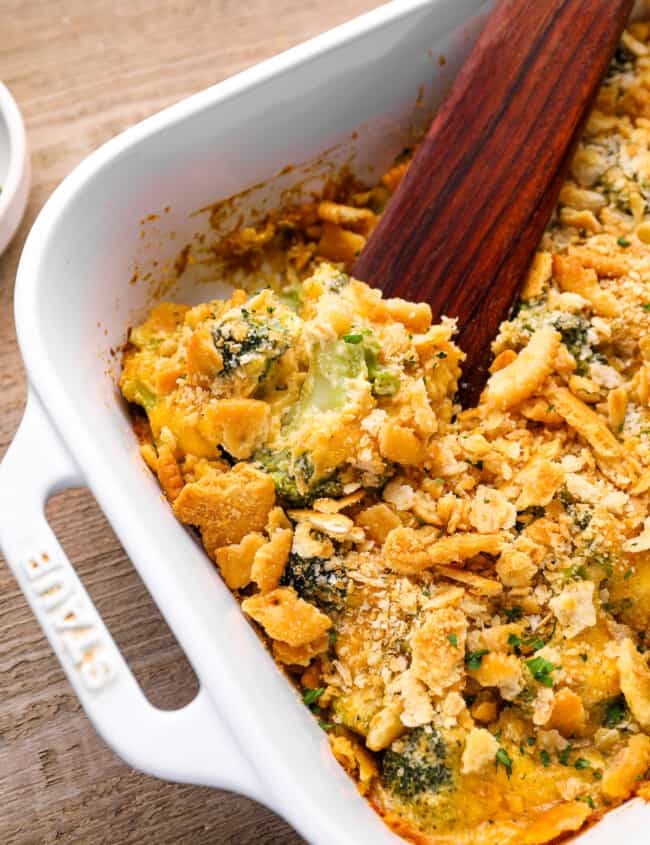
<point x="461" y="229"/>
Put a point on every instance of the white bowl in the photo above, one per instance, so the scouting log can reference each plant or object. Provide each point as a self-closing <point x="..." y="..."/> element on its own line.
<point x="354" y="92"/>
<point x="14" y="167"/>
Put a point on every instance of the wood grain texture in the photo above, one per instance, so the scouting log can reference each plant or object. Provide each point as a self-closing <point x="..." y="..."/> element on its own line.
<point x="483" y="184"/>
<point x="81" y="71"/>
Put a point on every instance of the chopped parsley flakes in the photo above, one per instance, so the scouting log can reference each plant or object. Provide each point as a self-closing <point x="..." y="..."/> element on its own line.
<point x="311" y="696"/>
<point x="541" y="669"/>
<point x="503" y="758"/>
<point x="474" y="659"/>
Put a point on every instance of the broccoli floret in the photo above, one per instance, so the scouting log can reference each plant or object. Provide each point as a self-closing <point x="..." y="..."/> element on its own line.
<point x="333" y="364"/>
<point x="330" y="487"/>
<point x="574" y="331"/>
<point x="416" y="763"/>
<point x="241" y="341"/>
<point x="294" y="477"/>
<point x="384" y="381"/>
<point x="251" y="337"/>
<point x="573" y="328"/>
<point x="339" y="369"/>
<point x="279" y="466"/>
<point x="331" y="367"/>
<point x="318" y="580"/>
<point x="579" y="513"/>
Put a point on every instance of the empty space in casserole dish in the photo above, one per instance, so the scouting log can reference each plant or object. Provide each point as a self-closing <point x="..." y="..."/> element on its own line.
<point x="104" y="251"/>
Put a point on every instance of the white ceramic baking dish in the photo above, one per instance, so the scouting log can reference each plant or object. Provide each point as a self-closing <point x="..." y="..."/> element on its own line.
<point x="355" y="91"/>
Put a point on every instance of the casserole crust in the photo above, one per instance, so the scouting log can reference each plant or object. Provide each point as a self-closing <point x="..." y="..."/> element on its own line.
<point x="463" y="598"/>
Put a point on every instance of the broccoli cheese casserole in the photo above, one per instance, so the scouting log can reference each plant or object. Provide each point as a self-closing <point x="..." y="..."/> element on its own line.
<point x="462" y="597"/>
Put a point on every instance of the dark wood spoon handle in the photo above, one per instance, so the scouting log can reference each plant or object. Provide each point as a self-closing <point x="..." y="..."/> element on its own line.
<point x="463" y="225"/>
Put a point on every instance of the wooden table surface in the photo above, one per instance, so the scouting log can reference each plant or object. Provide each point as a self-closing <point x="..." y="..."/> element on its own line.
<point x="82" y="71"/>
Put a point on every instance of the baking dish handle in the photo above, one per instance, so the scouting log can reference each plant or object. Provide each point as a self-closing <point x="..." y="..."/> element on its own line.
<point x="189" y="745"/>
